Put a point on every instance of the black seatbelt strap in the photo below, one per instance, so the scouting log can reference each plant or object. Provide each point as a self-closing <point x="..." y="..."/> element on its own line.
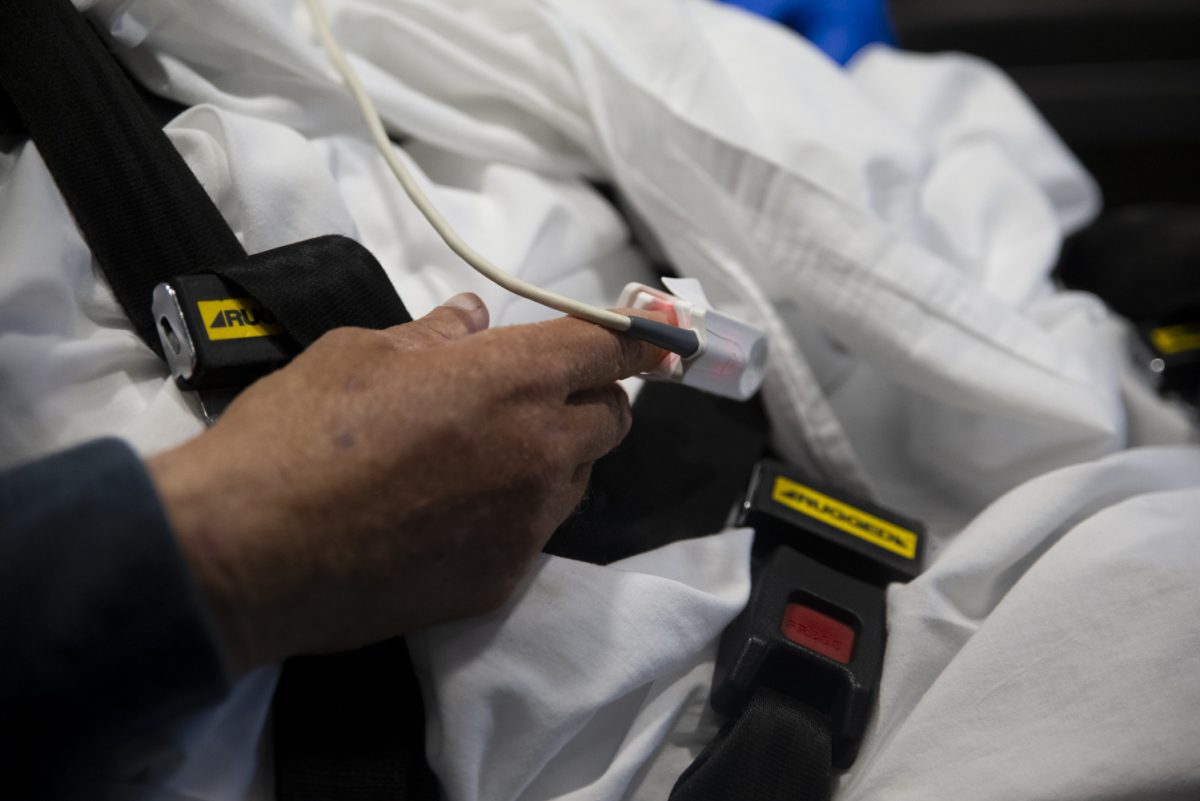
<point x="144" y="215"/>
<point x="313" y="283"/>
<point x="148" y="220"/>
<point x="225" y="328"/>
<point x="10" y="120"/>
<point x="778" y="749"/>
<point x="676" y="475"/>
<point x="351" y="727"/>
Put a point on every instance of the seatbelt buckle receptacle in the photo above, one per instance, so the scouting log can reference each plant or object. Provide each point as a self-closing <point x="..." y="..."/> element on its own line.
<point x="852" y="535"/>
<point x="813" y="634"/>
<point x="814" y="629"/>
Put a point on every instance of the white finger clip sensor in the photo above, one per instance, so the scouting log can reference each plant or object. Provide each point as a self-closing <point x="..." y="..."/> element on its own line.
<point x="732" y="358"/>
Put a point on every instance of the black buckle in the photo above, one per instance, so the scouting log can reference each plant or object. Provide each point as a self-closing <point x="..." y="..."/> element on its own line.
<point x="814" y="627"/>
<point x="215" y="336"/>
<point x="812" y="633"/>
<point x="851" y="535"/>
<point x="216" y="339"/>
<point x="1170" y="350"/>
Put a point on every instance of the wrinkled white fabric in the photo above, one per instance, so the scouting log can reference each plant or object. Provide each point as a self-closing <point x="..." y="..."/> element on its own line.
<point x="1051" y="651"/>
<point x="891" y="225"/>
<point x="594" y="667"/>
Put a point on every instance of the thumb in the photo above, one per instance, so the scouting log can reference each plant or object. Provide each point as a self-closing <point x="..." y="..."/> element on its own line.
<point x="460" y="316"/>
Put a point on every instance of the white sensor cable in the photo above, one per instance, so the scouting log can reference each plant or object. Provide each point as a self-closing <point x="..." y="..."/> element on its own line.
<point x="575" y="308"/>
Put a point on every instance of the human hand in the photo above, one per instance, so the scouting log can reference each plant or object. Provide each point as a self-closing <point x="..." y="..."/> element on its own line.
<point x="388" y="480"/>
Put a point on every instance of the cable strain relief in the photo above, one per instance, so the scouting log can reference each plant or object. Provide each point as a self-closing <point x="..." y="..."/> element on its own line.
<point x="683" y="341"/>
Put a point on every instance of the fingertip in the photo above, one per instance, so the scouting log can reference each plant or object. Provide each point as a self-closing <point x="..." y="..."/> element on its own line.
<point x="585" y="355"/>
<point x="460" y="316"/>
<point x="642" y="357"/>
<point x="476" y="313"/>
<point x="664" y="315"/>
<point x="639" y="356"/>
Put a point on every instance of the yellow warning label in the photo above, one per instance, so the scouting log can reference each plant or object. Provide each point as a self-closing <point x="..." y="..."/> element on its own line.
<point x="845" y="517"/>
<point x="1173" y="339"/>
<point x="236" y="318"/>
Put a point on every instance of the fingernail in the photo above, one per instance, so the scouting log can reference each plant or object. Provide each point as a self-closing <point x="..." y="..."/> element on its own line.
<point x="467" y="301"/>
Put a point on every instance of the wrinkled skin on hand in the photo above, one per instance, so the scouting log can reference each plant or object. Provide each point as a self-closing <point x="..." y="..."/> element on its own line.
<point x="388" y="480"/>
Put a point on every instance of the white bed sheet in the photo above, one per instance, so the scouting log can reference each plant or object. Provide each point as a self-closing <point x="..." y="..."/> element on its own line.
<point x="892" y="225"/>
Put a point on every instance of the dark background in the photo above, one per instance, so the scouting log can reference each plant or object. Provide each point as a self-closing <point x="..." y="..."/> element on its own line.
<point x="1118" y="79"/>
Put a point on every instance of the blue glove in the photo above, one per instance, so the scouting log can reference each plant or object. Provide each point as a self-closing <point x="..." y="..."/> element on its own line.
<point x="839" y="27"/>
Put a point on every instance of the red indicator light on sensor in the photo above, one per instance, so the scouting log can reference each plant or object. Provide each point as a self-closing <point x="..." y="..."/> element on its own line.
<point x="817" y="632"/>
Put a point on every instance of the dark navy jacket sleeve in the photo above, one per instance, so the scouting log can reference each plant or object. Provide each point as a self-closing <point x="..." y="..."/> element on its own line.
<point x="102" y="636"/>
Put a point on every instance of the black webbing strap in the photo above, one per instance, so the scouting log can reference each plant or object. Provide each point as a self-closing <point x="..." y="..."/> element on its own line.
<point x="142" y="212"/>
<point x="351" y="727"/>
<point x="778" y="749"/>
<point x="319" y="284"/>
<point x="348" y="726"/>
<point x="682" y="467"/>
<point x="10" y="119"/>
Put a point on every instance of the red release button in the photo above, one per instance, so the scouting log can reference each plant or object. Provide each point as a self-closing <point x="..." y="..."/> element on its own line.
<point x="806" y="626"/>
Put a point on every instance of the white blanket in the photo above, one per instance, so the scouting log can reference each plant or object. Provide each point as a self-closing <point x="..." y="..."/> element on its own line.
<point x="892" y="226"/>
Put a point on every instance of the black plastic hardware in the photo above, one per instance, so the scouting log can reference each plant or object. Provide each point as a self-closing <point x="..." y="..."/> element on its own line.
<point x="1170" y="349"/>
<point x="755" y="650"/>
<point x="849" y="534"/>
<point x="214" y="336"/>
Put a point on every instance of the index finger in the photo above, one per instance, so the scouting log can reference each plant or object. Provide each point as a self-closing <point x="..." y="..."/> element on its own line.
<point x="586" y="355"/>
